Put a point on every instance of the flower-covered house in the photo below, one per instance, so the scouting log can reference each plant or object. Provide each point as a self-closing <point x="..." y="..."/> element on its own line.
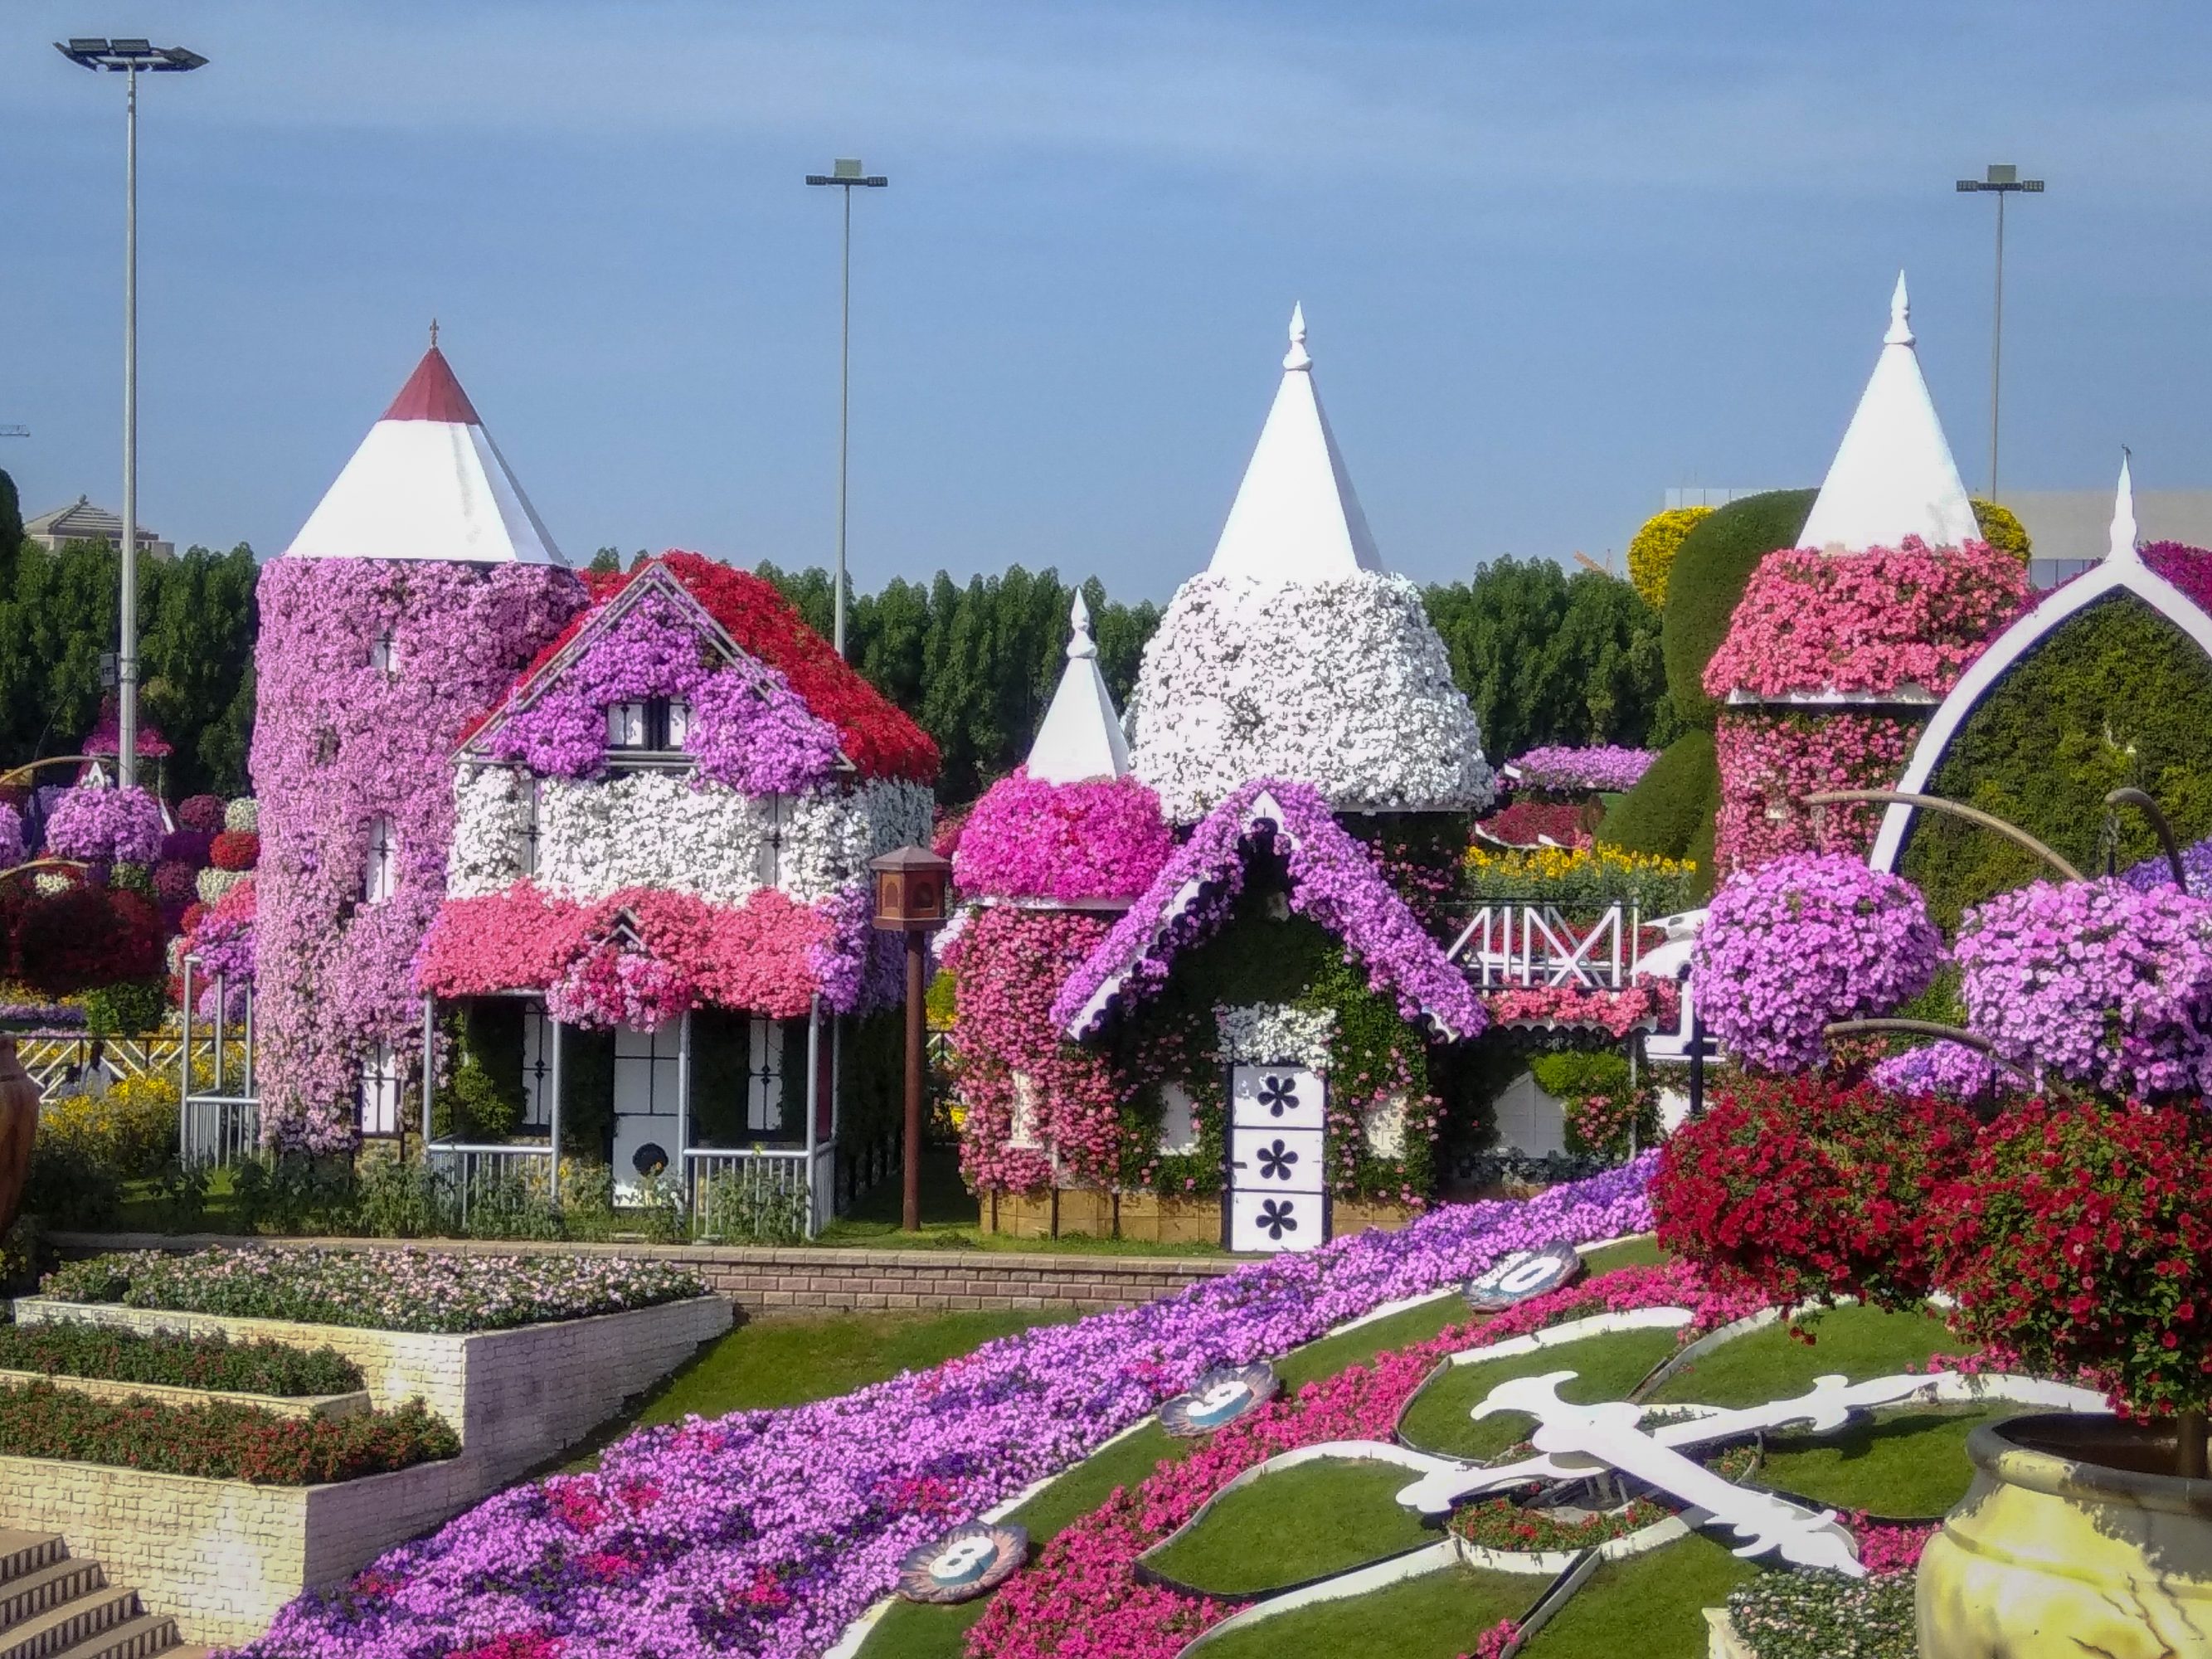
<point x="1195" y="993"/>
<point x="657" y="923"/>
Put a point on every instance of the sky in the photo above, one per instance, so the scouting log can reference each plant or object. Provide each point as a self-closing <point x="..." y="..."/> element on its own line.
<point x="1555" y="259"/>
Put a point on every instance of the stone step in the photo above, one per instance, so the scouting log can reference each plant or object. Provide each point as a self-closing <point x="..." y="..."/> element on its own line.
<point x="45" y="1588"/>
<point x="70" y="1626"/>
<point x="26" y="1552"/>
<point x="142" y="1637"/>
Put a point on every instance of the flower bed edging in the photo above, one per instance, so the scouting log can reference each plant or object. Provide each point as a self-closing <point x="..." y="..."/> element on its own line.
<point x="515" y="1397"/>
<point x="168" y="1393"/>
<point x="222" y="1557"/>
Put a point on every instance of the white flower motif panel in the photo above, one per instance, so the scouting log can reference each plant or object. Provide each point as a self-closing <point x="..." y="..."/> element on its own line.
<point x="1272" y="1222"/>
<point x="1277" y="1097"/>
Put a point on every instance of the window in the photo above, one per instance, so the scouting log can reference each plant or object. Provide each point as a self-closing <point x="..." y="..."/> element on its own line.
<point x="380" y="1091"/>
<point x="764" y="1077"/>
<point x="383" y="653"/>
<point x="768" y="852"/>
<point x="382" y="875"/>
<point x="539" y="1034"/>
<point x="654" y="725"/>
<point x="526" y="833"/>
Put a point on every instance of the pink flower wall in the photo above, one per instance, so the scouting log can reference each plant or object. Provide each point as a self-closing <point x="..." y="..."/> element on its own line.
<point x="338" y="743"/>
<point x="1769" y="761"/>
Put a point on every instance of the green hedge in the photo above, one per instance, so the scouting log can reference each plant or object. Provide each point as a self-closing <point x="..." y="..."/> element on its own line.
<point x="1716" y="559"/>
<point x="2119" y="696"/>
<point x="1672" y="807"/>
<point x="74" y="1349"/>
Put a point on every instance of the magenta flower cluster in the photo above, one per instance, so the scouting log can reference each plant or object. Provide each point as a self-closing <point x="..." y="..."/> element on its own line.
<point x="748" y="728"/>
<point x="765" y="1533"/>
<point x="1559" y="770"/>
<point x="2095" y="981"/>
<point x="1950" y="1069"/>
<point x="1102" y="839"/>
<point x="106" y="826"/>
<point x="1333" y="879"/>
<point x="2196" y="868"/>
<point x="1808" y="939"/>
<point x="340" y="742"/>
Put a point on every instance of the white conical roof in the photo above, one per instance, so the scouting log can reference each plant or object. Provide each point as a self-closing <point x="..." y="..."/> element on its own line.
<point x="1296" y="517"/>
<point x="1892" y="476"/>
<point x="428" y="482"/>
<point x="1081" y="736"/>
<point x="2125" y="536"/>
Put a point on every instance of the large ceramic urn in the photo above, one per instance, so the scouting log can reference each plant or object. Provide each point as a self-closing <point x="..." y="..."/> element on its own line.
<point x="2071" y="1541"/>
<point x="19" y="1126"/>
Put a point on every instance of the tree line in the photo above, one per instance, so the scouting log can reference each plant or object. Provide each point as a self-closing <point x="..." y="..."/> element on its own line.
<point x="1543" y="656"/>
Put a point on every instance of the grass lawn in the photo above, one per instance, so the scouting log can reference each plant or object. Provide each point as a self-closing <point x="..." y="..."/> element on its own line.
<point x="1772" y="1365"/>
<point x="1306" y="1522"/>
<point x="1605" y="1367"/>
<point x="1649" y="1607"/>
<point x="1643" y="1251"/>
<point x="1903" y="1465"/>
<point x="951" y="1220"/>
<point x="1436" y="1616"/>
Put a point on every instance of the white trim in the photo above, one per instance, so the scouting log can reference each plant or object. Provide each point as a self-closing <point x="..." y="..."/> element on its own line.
<point x="1574" y="1330"/>
<point x="2125" y="574"/>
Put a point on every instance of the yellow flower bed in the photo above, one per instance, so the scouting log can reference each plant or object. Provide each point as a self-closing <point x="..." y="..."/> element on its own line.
<point x="131" y="1129"/>
<point x="1581" y="875"/>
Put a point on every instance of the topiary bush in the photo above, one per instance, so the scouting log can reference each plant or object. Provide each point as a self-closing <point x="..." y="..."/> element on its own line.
<point x="2002" y="529"/>
<point x="2117" y="695"/>
<point x="1652" y="549"/>
<point x="1673" y="804"/>
<point x="1711" y="568"/>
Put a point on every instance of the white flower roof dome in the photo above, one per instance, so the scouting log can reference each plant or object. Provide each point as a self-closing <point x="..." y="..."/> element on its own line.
<point x="1296" y="654"/>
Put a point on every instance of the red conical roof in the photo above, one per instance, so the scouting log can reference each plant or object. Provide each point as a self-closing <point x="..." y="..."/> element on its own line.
<point x="433" y="394"/>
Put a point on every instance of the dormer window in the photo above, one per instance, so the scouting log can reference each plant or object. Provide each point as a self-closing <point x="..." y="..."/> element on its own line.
<point x="383" y="653"/>
<point x="525" y="831"/>
<point x="649" y="725"/>
<point x="381" y="877"/>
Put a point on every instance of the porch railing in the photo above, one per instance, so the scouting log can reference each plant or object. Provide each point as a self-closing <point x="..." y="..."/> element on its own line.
<point x="219" y="1104"/>
<point x="479" y="1177"/>
<point x="754" y="1194"/>
<point x="1516" y="942"/>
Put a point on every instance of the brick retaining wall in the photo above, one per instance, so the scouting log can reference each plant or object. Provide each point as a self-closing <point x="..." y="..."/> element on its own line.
<point x="795" y="1279"/>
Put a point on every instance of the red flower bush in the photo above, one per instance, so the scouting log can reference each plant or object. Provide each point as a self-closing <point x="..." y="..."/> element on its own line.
<point x="201" y="813"/>
<point x="85" y="938"/>
<point x="1810" y="1192"/>
<point x="2080" y="1241"/>
<point x="235" y="849"/>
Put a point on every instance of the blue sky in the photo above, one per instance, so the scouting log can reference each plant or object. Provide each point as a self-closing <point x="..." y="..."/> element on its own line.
<point x="1555" y="259"/>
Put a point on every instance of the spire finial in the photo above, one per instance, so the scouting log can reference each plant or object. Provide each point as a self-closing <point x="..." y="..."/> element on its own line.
<point x="433" y="334"/>
<point x="1080" y="645"/>
<point x="2125" y="532"/>
<point x="1296" y="357"/>
<point x="1901" y="316"/>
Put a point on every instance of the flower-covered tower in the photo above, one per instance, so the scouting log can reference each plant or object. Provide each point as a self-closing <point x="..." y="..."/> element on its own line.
<point x="1296" y="654"/>
<point x="1840" y="645"/>
<point x="1048" y="859"/>
<point x="416" y="589"/>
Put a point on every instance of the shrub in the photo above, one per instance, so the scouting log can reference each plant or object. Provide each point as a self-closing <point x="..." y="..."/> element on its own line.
<point x="131" y="1131"/>
<point x="1652" y="549"/>
<point x="1710" y="570"/>
<point x="2117" y="695"/>
<point x="74" y="940"/>
<point x="129" y="1007"/>
<point x="244" y="813"/>
<point x="1527" y="822"/>
<point x="65" y="1187"/>
<point x="1606" y="1113"/>
<point x="2080" y="1240"/>
<point x="219" y="1440"/>
<point x="99" y="823"/>
<point x="2002" y="529"/>
<point x="176" y="884"/>
<point x="202" y="813"/>
<point x="188" y="845"/>
<point x="1671" y="804"/>
<point x="74" y="1349"/>
<point x="1806" y="1191"/>
<point x="1825" y="1615"/>
<point x="235" y="849"/>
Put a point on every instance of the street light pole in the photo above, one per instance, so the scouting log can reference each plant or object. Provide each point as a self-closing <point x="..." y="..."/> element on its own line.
<point x="2003" y="181"/>
<point x="128" y="57"/>
<point x="847" y="174"/>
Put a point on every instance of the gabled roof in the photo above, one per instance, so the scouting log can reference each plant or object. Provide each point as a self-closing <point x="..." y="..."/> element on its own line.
<point x="739" y="613"/>
<point x="1295" y="517"/>
<point x="1081" y="735"/>
<point x="428" y="482"/>
<point x="1333" y="881"/>
<point x="1892" y="476"/>
<point x="2123" y="570"/>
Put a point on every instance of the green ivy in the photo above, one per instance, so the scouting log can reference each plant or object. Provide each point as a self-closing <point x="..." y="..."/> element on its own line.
<point x="2119" y="696"/>
<point x="126" y="1008"/>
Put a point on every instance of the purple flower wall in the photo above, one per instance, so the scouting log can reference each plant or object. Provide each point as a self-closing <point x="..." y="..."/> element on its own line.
<point x="337" y="743"/>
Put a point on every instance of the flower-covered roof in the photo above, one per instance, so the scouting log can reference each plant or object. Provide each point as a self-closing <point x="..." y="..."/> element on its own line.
<point x="428" y="482"/>
<point x="1892" y="476"/>
<point x="1295" y="654"/>
<point x="1333" y="880"/>
<point x="791" y="671"/>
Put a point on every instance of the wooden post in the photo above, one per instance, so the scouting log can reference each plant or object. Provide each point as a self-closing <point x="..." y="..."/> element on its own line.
<point x="917" y="1041"/>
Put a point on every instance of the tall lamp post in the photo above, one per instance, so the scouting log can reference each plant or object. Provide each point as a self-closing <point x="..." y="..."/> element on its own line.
<point x="128" y="57"/>
<point x="2003" y="181"/>
<point x="848" y="175"/>
<point x="911" y="889"/>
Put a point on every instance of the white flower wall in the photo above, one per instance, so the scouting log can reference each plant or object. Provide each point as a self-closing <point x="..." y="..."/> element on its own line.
<point x="1341" y="684"/>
